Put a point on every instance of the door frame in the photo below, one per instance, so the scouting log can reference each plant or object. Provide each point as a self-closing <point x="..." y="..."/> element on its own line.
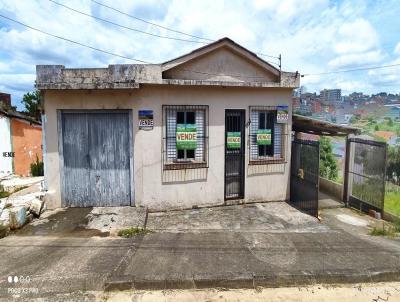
<point x="243" y="157"/>
<point x="60" y="113"/>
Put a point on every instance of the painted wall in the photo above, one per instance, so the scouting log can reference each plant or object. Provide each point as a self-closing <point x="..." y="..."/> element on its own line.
<point x="154" y="187"/>
<point x="27" y="144"/>
<point x="6" y="163"/>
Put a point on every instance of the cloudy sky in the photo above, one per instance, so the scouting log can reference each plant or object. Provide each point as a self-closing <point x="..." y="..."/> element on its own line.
<point x="313" y="36"/>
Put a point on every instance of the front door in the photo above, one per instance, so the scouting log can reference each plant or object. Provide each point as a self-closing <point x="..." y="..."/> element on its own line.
<point x="234" y="153"/>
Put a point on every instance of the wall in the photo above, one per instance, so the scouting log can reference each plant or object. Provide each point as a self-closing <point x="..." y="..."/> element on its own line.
<point x="154" y="187"/>
<point x="27" y="144"/>
<point x="221" y="65"/>
<point x="333" y="188"/>
<point x="6" y="163"/>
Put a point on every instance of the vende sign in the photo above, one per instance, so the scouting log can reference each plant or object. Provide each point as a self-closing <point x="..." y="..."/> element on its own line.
<point x="264" y="137"/>
<point x="186" y="137"/>
<point x="233" y="140"/>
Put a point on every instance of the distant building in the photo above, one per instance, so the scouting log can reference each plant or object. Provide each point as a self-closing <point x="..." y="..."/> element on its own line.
<point x="332" y="96"/>
<point x="316" y="107"/>
<point x="296" y="103"/>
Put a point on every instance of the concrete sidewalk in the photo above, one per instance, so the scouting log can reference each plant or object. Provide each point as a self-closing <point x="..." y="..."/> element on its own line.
<point x="302" y="252"/>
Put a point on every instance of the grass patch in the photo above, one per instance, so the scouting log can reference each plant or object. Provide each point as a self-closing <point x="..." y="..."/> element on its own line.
<point x="387" y="229"/>
<point x="132" y="231"/>
<point x="4" y="194"/>
<point x="392" y="199"/>
<point x="20" y="188"/>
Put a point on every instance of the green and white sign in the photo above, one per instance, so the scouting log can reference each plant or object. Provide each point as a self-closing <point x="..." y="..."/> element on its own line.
<point x="233" y="140"/>
<point x="264" y="137"/>
<point x="282" y="114"/>
<point x="186" y="136"/>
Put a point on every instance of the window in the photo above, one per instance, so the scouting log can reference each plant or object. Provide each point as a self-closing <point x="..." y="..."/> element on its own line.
<point x="267" y="137"/>
<point x="185" y="137"/>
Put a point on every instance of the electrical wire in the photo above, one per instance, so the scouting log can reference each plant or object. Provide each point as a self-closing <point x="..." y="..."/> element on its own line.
<point x="151" y="23"/>
<point x="170" y="29"/>
<point x="350" y="70"/>
<point x="74" y="42"/>
<point x="123" y="26"/>
<point x="115" y="54"/>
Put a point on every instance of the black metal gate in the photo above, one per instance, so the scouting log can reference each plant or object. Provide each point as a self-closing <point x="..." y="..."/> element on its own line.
<point x="234" y="153"/>
<point x="304" y="180"/>
<point x="365" y="174"/>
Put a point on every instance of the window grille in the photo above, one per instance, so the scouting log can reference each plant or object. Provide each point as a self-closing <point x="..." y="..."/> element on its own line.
<point x="175" y="158"/>
<point x="264" y="118"/>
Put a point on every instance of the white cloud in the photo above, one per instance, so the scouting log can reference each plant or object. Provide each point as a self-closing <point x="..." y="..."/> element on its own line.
<point x="312" y="36"/>
<point x="356" y="36"/>
<point x="356" y="59"/>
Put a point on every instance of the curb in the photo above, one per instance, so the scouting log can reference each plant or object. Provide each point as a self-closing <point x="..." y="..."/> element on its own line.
<point x="269" y="281"/>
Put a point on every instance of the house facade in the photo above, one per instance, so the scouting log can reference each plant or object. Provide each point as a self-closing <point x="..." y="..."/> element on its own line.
<point x="206" y="128"/>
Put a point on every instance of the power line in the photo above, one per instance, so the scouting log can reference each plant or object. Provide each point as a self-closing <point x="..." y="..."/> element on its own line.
<point x="350" y="70"/>
<point x="74" y="42"/>
<point x="151" y="23"/>
<point x="123" y="26"/>
<point x="170" y="29"/>
<point x="115" y="54"/>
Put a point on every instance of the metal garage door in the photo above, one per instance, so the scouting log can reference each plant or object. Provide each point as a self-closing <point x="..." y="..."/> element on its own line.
<point x="95" y="153"/>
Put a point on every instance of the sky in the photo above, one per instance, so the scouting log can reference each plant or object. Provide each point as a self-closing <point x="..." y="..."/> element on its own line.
<point x="312" y="36"/>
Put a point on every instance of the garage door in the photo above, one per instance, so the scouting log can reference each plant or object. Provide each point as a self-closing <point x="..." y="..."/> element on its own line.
<point x="96" y="158"/>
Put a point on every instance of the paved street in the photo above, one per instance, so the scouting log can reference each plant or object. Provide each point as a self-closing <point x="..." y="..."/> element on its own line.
<point x="267" y="250"/>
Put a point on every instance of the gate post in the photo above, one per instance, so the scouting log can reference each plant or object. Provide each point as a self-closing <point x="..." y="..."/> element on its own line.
<point x="346" y="173"/>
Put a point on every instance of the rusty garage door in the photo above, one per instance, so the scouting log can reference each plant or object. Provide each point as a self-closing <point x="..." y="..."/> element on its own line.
<point x="95" y="158"/>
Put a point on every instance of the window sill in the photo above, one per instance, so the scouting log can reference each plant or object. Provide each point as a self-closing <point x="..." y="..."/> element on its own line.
<point x="185" y="165"/>
<point x="267" y="162"/>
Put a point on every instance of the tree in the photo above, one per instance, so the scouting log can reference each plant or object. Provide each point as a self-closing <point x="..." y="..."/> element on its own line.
<point x="32" y="103"/>
<point x="328" y="165"/>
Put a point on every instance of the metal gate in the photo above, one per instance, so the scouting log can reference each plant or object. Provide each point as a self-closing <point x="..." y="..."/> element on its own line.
<point x="95" y="152"/>
<point x="365" y="174"/>
<point x="304" y="180"/>
<point x="234" y="153"/>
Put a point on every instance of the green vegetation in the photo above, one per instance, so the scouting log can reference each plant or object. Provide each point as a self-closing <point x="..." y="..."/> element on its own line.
<point x="37" y="167"/>
<point x="386" y="229"/>
<point x="32" y="103"/>
<point x="132" y="231"/>
<point x="328" y="165"/>
<point x="374" y="122"/>
<point x="3" y="194"/>
<point x="392" y="199"/>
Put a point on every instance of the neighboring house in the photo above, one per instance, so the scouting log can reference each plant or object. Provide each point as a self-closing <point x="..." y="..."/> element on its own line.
<point x="21" y="142"/>
<point x="202" y="129"/>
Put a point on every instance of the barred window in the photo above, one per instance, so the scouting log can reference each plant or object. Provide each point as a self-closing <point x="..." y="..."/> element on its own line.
<point x="185" y="137"/>
<point x="267" y="137"/>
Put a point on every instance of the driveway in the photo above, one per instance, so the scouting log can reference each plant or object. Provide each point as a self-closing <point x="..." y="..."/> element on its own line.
<point x="240" y="246"/>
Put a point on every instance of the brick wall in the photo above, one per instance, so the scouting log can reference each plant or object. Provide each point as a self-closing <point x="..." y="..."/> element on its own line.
<point x="27" y="144"/>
